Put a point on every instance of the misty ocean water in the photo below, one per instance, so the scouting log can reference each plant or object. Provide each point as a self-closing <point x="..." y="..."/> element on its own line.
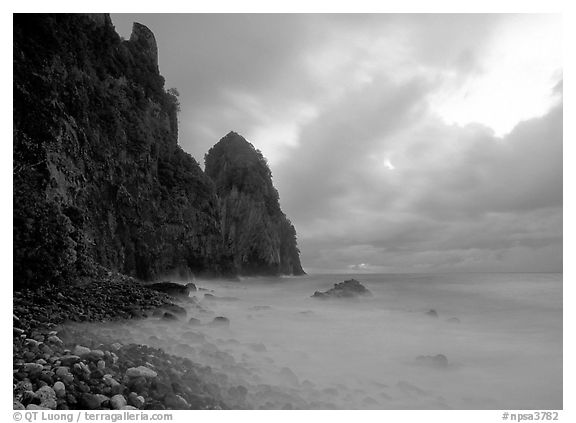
<point x="500" y="333"/>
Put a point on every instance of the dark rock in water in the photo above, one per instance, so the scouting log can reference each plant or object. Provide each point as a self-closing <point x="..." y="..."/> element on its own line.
<point x="432" y="313"/>
<point x="220" y="321"/>
<point x="171" y="288"/>
<point x="347" y="289"/>
<point x="169" y="316"/>
<point x="191" y="287"/>
<point x="174" y="309"/>
<point x="438" y="360"/>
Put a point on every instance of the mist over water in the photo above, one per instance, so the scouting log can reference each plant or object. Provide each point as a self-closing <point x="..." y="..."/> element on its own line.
<point x="501" y="335"/>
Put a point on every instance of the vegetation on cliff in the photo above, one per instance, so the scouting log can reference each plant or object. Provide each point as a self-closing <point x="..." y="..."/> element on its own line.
<point x="100" y="180"/>
<point x="256" y="233"/>
<point x="98" y="176"/>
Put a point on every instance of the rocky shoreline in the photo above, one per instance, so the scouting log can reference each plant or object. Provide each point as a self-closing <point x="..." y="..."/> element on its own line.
<point x="57" y="367"/>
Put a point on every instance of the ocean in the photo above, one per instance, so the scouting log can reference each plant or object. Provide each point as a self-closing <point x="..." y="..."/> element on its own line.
<point x="494" y="341"/>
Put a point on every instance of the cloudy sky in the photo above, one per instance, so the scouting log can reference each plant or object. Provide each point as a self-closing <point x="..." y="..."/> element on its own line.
<point x="398" y="143"/>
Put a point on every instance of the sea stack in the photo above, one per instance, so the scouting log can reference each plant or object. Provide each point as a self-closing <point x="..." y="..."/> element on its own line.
<point x="256" y="233"/>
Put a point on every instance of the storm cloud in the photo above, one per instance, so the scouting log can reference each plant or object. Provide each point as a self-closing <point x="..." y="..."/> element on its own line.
<point x="398" y="143"/>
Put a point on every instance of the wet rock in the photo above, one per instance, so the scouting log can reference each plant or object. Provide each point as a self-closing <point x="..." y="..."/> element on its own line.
<point x="437" y="361"/>
<point x="135" y="400"/>
<point x="69" y="360"/>
<point x="169" y="317"/>
<point x="138" y="384"/>
<point x="55" y="340"/>
<point x="89" y="401"/>
<point x="141" y="371"/>
<point x="36" y="407"/>
<point x="59" y="389"/>
<point x="33" y="369"/>
<point x="220" y="321"/>
<point x="28" y="397"/>
<point x="22" y="386"/>
<point x="432" y="313"/>
<point x="347" y="289"/>
<point x="80" y="350"/>
<point x="117" y="402"/>
<point x="104" y="400"/>
<point x="81" y="370"/>
<point x="173" y="309"/>
<point x="32" y="343"/>
<point x="47" y="376"/>
<point x="116" y="346"/>
<point x="176" y="402"/>
<point x="63" y="372"/>
<point x="94" y="355"/>
<point x="110" y="381"/>
<point x="191" y="287"/>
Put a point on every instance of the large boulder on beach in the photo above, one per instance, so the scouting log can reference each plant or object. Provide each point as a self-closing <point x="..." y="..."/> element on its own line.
<point x="347" y="289"/>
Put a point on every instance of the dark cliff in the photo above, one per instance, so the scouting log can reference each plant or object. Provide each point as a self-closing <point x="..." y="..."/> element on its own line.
<point x="98" y="176"/>
<point x="99" y="179"/>
<point x="256" y="233"/>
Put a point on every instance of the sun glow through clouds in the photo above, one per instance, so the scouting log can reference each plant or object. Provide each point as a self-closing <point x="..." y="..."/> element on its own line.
<point x="521" y="67"/>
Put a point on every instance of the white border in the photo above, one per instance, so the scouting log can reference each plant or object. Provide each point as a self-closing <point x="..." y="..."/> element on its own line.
<point x="307" y="6"/>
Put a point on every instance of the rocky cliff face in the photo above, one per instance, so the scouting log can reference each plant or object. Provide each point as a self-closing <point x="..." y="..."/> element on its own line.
<point x="99" y="179"/>
<point x="256" y="233"/>
<point x="98" y="176"/>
